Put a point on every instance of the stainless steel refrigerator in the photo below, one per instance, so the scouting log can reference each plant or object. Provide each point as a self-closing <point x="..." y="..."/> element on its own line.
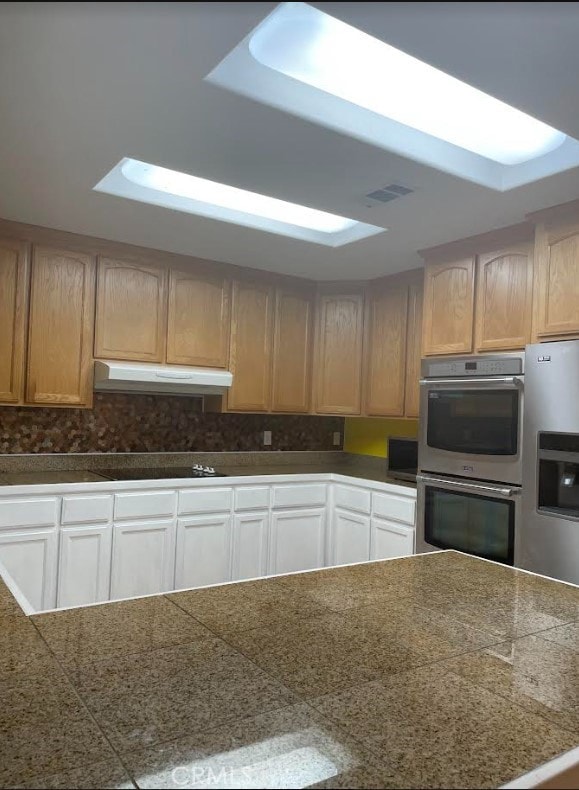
<point x="550" y="524"/>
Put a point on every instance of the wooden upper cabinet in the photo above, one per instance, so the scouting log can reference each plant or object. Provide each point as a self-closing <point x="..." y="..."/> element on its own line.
<point x="130" y="311"/>
<point x="385" y="362"/>
<point x="414" y="347"/>
<point x="504" y="299"/>
<point x="292" y="351"/>
<point x="13" y="317"/>
<point x="198" y="319"/>
<point x="338" y="358"/>
<point x="449" y="307"/>
<point x="60" y="328"/>
<point x="557" y="279"/>
<point x="250" y="347"/>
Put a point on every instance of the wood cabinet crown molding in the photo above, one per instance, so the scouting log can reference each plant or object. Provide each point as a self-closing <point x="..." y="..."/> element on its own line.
<point x="483" y="242"/>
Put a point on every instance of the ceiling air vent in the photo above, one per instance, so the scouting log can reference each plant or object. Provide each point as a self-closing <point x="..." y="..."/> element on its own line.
<point x="391" y="192"/>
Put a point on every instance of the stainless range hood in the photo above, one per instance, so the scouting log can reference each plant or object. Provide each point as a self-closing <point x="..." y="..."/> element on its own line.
<point x="142" y="377"/>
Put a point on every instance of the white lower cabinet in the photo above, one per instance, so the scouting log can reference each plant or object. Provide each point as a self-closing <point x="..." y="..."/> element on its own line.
<point x="350" y="538"/>
<point x="143" y="558"/>
<point x="84" y="574"/>
<point x="297" y="540"/>
<point x="390" y="539"/>
<point x="250" y="539"/>
<point x="62" y="550"/>
<point x="203" y="550"/>
<point x="30" y="557"/>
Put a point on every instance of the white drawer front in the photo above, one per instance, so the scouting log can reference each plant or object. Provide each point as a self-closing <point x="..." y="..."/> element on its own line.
<point x="352" y="498"/>
<point x="16" y="513"/>
<point x="299" y="495"/>
<point x="144" y="504"/>
<point x="396" y="507"/>
<point x="87" y="509"/>
<point x="252" y="498"/>
<point x="205" y="500"/>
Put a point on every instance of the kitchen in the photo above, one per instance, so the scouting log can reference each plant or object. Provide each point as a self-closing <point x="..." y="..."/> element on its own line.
<point x="213" y="575"/>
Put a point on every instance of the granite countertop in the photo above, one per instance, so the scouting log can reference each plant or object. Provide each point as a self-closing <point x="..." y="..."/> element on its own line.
<point x="363" y="470"/>
<point x="438" y="670"/>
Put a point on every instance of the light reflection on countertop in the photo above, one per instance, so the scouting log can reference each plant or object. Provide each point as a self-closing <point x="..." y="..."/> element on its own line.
<point x="438" y="670"/>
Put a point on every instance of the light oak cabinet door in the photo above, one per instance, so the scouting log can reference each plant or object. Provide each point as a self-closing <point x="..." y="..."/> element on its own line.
<point x="292" y="351"/>
<point x="338" y="366"/>
<point x="557" y="262"/>
<point x="414" y="348"/>
<point x="504" y="299"/>
<point x="449" y="307"/>
<point x="60" y="328"/>
<point x="130" y="311"/>
<point x="250" y="349"/>
<point x="198" y="319"/>
<point x="13" y="317"/>
<point x="387" y="313"/>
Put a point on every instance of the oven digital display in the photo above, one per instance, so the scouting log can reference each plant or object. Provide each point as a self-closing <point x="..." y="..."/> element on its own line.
<point x="470" y="365"/>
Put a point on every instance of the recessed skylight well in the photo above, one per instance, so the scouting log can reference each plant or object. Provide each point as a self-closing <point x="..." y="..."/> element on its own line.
<point x="172" y="189"/>
<point x="307" y="62"/>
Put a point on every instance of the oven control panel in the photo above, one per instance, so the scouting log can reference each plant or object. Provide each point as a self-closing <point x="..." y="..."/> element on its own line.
<point x="472" y="367"/>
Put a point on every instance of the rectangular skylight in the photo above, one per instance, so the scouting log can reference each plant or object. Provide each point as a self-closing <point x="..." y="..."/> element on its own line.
<point x="305" y="61"/>
<point x="172" y="189"/>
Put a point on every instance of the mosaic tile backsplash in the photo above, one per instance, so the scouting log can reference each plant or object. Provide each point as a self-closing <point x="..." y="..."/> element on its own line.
<point x="155" y="423"/>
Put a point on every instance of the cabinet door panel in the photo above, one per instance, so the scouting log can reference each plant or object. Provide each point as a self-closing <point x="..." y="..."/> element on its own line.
<point x="198" y="319"/>
<point x="203" y="551"/>
<point x="386" y="351"/>
<point x="293" y="345"/>
<point x="350" y="537"/>
<point x="13" y="309"/>
<point x="30" y="558"/>
<point x="338" y="367"/>
<point x="557" y="260"/>
<point x="297" y="540"/>
<point x="449" y="307"/>
<point x="85" y="565"/>
<point x="250" y="352"/>
<point x="390" y="540"/>
<point x="60" y="328"/>
<point x="250" y="539"/>
<point x="130" y="311"/>
<point x="414" y="348"/>
<point x="504" y="299"/>
<point x="143" y="558"/>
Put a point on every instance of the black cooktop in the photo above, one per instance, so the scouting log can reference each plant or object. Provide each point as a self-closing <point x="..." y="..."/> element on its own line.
<point x="159" y="473"/>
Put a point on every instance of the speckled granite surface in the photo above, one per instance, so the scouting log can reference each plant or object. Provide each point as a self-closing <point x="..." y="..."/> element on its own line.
<point x="84" y="468"/>
<point x="432" y="671"/>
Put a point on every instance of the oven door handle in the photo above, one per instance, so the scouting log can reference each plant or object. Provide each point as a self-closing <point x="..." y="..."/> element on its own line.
<point x="507" y="492"/>
<point x="511" y="381"/>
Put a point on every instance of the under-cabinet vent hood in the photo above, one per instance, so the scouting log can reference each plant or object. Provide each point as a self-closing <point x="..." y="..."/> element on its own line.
<point x="167" y="379"/>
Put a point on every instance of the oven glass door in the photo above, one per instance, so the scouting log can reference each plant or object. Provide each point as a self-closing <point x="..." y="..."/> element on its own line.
<point x="473" y="523"/>
<point x="473" y="421"/>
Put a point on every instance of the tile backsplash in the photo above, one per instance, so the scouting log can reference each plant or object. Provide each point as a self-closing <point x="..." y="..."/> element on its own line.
<point x="155" y="423"/>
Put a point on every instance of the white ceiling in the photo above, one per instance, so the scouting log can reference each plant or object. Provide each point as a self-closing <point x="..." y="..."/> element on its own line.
<point x="84" y="84"/>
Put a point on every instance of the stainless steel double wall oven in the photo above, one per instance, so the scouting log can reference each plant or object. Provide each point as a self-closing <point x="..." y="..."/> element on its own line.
<point x="470" y="455"/>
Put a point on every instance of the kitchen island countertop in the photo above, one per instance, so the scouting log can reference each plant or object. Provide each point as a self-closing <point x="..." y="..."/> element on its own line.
<point x="438" y="670"/>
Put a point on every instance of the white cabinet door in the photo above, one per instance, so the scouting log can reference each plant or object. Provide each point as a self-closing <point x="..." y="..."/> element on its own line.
<point x="85" y="565"/>
<point x="143" y="558"/>
<point x="350" y="539"/>
<point x="30" y="557"/>
<point x="250" y="538"/>
<point x="297" y="540"/>
<point x="203" y="551"/>
<point x="390" y="539"/>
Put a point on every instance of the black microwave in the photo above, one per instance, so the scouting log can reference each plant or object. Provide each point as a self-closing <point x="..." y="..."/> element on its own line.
<point x="402" y="457"/>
